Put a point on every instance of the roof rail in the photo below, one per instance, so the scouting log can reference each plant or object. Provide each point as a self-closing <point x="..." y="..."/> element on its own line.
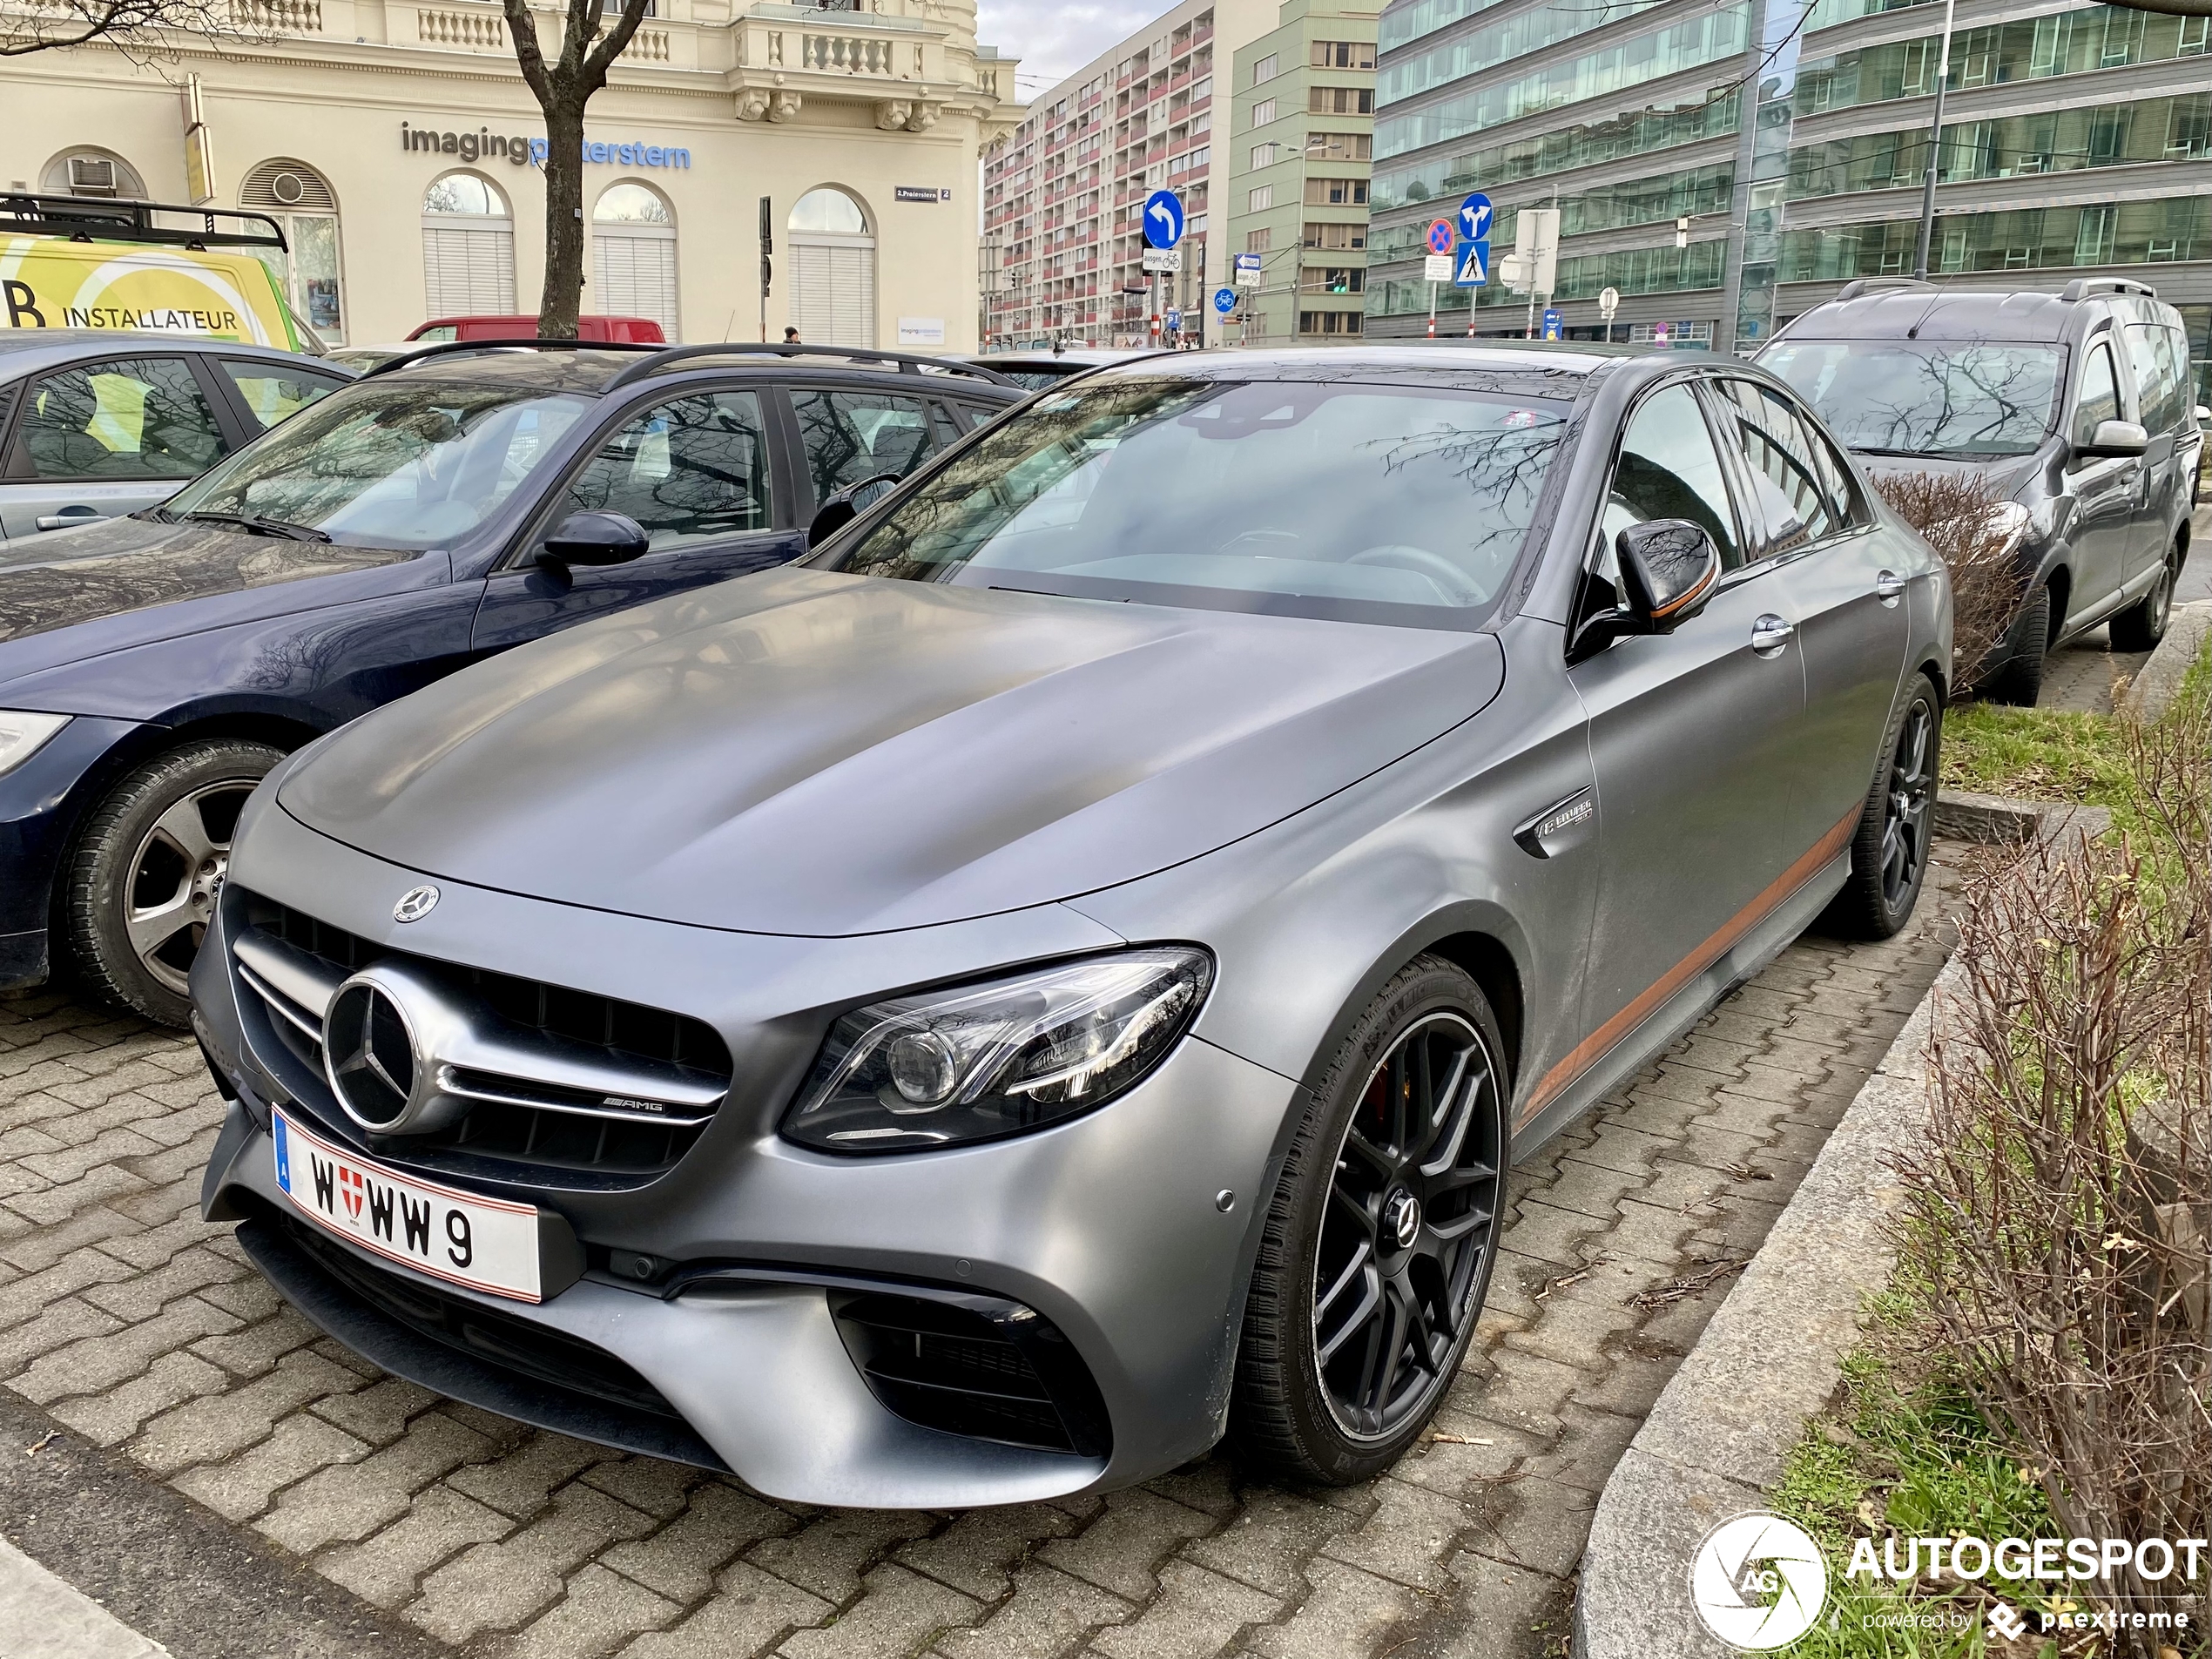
<point x="1871" y="285"/>
<point x="462" y="348"/>
<point x="2082" y="287"/>
<point x="907" y="362"/>
<point x="85" y="218"/>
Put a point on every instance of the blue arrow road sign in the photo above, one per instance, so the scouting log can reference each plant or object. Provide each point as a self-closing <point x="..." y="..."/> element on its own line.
<point x="1224" y="301"/>
<point x="1162" y="218"/>
<point x="1474" y="218"/>
<point x="1440" y="236"/>
<point x="1473" y="267"/>
<point x="1555" y="325"/>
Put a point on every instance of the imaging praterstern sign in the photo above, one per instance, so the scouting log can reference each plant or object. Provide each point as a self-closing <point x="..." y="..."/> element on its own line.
<point x="484" y="145"/>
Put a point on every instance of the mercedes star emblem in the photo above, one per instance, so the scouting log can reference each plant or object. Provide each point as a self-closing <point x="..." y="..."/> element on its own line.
<point x="416" y="903"/>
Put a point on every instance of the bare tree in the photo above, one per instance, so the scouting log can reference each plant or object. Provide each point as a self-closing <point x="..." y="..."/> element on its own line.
<point x="562" y="88"/>
<point x="123" y="23"/>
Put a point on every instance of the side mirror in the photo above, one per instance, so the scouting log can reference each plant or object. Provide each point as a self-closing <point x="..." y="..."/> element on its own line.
<point x="2204" y="415"/>
<point x="1668" y="567"/>
<point x="595" y="539"/>
<point x="847" y="505"/>
<point x="2114" y="438"/>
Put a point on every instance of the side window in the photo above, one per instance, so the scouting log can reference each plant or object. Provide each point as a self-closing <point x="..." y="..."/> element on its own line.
<point x="2100" y="397"/>
<point x="2150" y="350"/>
<point x="128" y="418"/>
<point x="1668" y="469"/>
<point x="689" y="470"/>
<point x="274" y="393"/>
<point x="851" y="436"/>
<point x="1787" y="478"/>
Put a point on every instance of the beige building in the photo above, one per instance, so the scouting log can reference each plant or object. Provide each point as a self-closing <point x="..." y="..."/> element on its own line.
<point x="399" y="147"/>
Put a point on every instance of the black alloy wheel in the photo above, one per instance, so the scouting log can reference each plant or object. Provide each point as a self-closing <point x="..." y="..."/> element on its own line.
<point x="1909" y="814"/>
<point x="1411" y="1212"/>
<point x="1889" y="854"/>
<point x="1379" y="1241"/>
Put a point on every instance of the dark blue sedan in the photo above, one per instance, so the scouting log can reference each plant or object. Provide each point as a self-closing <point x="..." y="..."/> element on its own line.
<point x="443" y="508"/>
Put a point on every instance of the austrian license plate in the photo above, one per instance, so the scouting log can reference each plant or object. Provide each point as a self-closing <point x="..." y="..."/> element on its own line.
<point x="463" y="1238"/>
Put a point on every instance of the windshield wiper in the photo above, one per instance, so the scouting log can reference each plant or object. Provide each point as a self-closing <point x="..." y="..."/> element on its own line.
<point x="261" y="526"/>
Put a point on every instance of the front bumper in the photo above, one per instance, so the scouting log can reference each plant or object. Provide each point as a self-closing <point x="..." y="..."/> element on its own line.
<point x="41" y="802"/>
<point x="1108" y="1226"/>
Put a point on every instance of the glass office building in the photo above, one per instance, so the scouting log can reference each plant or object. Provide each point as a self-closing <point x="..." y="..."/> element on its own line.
<point x="1793" y="141"/>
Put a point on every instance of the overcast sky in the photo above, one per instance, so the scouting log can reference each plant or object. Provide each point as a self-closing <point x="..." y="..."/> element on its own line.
<point x="1054" y="38"/>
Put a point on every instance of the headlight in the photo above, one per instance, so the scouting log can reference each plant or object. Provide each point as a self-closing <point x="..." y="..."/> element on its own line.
<point x="21" y="735"/>
<point x="978" y="1062"/>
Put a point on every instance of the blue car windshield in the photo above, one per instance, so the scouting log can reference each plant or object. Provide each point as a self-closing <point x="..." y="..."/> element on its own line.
<point x="390" y="464"/>
<point x="1362" y="501"/>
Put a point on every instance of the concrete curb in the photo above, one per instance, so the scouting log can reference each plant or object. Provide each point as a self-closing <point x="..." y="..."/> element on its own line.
<point x="2152" y="691"/>
<point x="1771" y="1356"/>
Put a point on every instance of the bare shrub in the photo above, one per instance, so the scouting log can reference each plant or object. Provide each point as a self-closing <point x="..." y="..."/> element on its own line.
<point x="2057" y="1213"/>
<point x="1956" y="515"/>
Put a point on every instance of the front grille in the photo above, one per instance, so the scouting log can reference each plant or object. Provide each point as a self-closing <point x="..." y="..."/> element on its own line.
<point x="536" y="1350"/>
<point x="1013" y="1379"/>
<point x="519" y="1128"/>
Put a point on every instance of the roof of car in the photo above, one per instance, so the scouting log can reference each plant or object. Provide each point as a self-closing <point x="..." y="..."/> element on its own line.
<point x="1923" y="311"/>
<point x="1074" y="357"/>
<point x="71" y="340"/>
<point x="1563" y="364"/>
<point x="592" y="367"/>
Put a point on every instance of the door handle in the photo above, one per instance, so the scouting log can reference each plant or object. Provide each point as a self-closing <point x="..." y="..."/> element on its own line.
<point x="1770" y="633"/>
<point x="69" y="516"/>
<point x="1889" y="587"/>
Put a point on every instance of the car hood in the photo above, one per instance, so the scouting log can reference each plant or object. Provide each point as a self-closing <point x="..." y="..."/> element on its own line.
<point x="63" y="578"/>
<point x="2006" y="475"/>
<point x="804" y="752"/>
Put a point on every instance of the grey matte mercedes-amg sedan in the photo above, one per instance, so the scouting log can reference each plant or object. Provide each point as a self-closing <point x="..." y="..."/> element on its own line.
<point x="1058" y="975"/>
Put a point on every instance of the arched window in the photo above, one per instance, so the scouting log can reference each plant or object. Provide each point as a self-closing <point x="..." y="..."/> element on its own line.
<point x="301" y="200"/>
<point x="633" y="256"/>
<point x="468" y="248"/>
<point x="833" y="270"/>
<point x="87" y="170"/>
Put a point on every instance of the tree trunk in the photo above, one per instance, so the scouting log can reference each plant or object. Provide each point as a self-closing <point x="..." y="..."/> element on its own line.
<point x="561" y="299"/>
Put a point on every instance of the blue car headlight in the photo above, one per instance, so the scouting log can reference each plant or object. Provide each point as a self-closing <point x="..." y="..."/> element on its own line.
<point x="975" y="1062"/>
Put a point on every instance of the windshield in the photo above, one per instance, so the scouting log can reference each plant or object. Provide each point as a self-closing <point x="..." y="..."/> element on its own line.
<point x="396" y="465"/>
<point x="1362" y="501"/>
<point x="1971" y="402"/>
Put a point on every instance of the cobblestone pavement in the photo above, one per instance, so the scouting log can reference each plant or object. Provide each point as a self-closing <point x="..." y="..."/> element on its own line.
<point x="137" y="1326"/>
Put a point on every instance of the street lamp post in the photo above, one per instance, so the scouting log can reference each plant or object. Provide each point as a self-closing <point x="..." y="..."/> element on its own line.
<point x="1935" y="149"/>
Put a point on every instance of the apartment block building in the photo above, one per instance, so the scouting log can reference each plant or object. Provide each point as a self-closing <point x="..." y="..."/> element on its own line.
<point x="1793" y="139"/>
<point x="1302" y="132"/>
<point x="1063" y="193"/>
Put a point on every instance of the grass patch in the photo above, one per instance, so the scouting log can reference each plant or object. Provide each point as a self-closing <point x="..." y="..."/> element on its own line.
<point x="1903" y="1454"/>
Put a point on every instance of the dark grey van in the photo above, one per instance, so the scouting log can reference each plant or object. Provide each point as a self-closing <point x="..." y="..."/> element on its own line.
<point x="2076" y="408"/>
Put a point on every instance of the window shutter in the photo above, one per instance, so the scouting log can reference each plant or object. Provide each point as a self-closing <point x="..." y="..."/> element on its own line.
<point x="468" y="273"/>
<point x="635" y="276"/>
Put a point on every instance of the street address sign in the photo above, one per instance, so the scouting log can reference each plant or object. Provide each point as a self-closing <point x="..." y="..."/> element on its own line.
<point x="1474" y="218"/>
<point x="1440" y="236"/>
<point x="1162" y="218"/>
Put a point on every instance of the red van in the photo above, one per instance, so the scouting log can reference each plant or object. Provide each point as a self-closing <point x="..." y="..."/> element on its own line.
<point x="638" y="331"/>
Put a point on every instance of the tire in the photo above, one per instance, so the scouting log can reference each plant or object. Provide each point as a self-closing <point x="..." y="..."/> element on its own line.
<point x="2143" y="624"/>
<point x="1889" y="855"/>
<point x="141" y="883"/>
<point x="1335" y="1275"/>
<point x="2019" y="682"/>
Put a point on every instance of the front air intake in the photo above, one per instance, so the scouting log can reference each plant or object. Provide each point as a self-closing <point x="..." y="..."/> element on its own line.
<point x="975" y="1367"/>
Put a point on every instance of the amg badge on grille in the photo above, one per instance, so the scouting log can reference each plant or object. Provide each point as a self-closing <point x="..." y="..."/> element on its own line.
<point x="416" y="903"/>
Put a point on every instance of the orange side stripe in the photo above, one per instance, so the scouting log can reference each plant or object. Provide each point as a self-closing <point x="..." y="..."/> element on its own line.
<point x="1592" y="1049"/>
